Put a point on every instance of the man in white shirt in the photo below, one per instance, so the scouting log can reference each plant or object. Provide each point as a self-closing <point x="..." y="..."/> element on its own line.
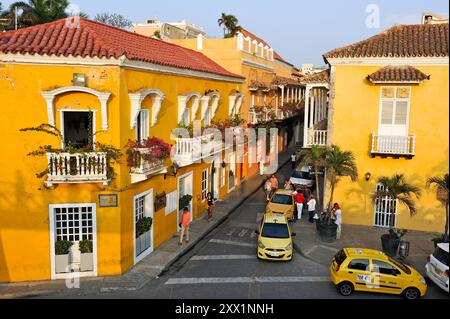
<point x="311" y="209"/>
<point x="294" y="160"/>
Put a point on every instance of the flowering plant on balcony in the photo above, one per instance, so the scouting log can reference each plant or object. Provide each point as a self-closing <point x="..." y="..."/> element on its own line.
<point x="222" y="125"/>
<point x="154" y="149"/>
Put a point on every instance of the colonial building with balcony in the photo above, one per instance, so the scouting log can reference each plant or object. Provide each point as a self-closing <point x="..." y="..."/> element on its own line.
<point x="87" y="115"/>
<point x="388" y="103"/>
<point x="271" y="92"/>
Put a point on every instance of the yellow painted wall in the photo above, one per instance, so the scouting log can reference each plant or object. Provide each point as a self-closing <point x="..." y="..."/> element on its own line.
<point x="24" y="218"/>
<point x="356" y="109"/>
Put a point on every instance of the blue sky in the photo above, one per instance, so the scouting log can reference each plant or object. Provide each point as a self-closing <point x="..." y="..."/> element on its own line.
<point x="301" y="31"/>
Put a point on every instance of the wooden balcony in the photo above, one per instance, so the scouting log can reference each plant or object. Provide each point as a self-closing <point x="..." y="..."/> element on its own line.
<point x="77" y="168"/>
<point x="396" y="146"/>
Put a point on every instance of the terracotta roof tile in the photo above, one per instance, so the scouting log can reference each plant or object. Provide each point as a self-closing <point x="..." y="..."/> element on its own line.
<point x="415" y="40"/>
<point x="397" y="74"/>
<point x="94" y="39"/>
<point x="319" y="77"/>
<point x="281" y="80"/>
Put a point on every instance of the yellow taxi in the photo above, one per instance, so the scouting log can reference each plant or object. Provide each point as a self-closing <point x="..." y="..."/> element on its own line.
<point x="358" y="269"/>
<point x="274" y="238"/>
<point x="282" y="201"/>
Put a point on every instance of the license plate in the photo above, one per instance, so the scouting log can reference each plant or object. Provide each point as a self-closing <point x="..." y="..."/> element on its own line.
<point x="275" y="255"/>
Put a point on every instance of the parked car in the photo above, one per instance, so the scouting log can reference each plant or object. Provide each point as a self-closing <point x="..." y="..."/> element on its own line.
<point x="275" y="238"/>
<point x="437" y="266"/>
<point x="359" y="269"/>
<point x="282" y="201"/>
<point x="303" y="177"/>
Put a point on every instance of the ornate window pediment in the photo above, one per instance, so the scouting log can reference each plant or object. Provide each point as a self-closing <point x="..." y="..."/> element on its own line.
<point x="136" y="100"/>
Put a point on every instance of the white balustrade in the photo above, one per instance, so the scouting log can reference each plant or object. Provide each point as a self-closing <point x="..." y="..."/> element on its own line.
<point x="394" y="145"/>
<point x="144" y="166"/>
<point x="77" y="168"/>
<point x="317" y="137"/>
<point x="189" y="150"/>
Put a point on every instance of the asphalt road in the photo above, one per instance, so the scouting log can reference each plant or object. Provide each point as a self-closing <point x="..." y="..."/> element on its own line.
<point x="224" y="265"/>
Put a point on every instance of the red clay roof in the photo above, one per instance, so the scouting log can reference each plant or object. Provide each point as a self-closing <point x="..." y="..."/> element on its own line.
<point x="397" y="74"/>
<point x="254" y="37"/>
<point x="282" y="80"/>
<point x="319" y="77"/>
<point x="415" y="40"/>
<point x="94" y="39"/>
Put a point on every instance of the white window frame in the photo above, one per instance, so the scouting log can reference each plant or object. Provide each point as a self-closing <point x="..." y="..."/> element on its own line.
<point x="172" y="202"/>
<point x="231" y="167"/>
<point x="394" y="100"/>
<point x="204" y="184"/>
<point x="61" y="122"/>
<point x="152" y="214"/>
<point x="223" y="176"/>
<point x="143" y="125"/>
<point x="53" y="274"/>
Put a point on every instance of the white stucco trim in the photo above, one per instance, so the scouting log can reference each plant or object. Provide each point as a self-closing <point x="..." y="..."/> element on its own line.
<point x="257" y="65"/>
<point x="103" y="97"/>
<point x="375" y="61"/>
<point x="235" y="103"/>
<point x="136" y="100"/>
<point x="182" y="104"/>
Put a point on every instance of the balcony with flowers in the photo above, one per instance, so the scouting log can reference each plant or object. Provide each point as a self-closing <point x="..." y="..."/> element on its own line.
<point x="289" y="109"/>
<point x="146" y="158"/>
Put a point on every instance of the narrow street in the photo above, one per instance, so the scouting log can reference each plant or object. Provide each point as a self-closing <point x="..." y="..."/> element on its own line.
<point x="224" y="265"/>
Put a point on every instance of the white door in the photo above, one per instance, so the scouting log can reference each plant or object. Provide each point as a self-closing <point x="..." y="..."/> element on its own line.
<point x="185" y="187"/>
<point x="143" y="208"/>
<point x="385" y="211"/>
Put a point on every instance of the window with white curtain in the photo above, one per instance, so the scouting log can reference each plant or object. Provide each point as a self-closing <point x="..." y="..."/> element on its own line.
<point x="171" y="202"/>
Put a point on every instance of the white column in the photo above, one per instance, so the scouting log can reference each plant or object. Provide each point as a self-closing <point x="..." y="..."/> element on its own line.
<point x="200" y="41"/>
<point x="319" y="101"/>
<point x="305" y="121"/>
<point x="312" y="119"/>
<point x="282" y="95"/>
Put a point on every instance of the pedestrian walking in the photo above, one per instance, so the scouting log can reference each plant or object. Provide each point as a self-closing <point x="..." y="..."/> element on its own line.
<point x="311" y="209"/>
<point x="299" y="199"/>
<point x="210" y="203"/>
<point x="267" y="188"/>
<point x="294" y="161"/>
<point x="185" y="222"/>
<point x="288" y="185"/>
<point x="261" y="168"/>
<point x="337" y="213"/>
<point x="274" y="184"/>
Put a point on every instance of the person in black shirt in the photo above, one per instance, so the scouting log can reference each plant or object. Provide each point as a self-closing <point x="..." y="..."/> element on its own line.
<point x="210" y="205"/>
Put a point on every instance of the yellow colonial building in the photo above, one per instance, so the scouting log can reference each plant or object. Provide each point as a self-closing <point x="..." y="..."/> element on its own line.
<point x="271" y="92"/>
<point x="76" y="92"/>
<point x="387" y="100"/>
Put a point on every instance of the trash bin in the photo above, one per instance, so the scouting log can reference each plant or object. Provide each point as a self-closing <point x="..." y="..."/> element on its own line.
<point x="403" y="250"/>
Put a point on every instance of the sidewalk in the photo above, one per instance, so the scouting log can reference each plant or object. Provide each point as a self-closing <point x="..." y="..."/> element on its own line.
<point x="158" y="261"/>
<point x="308" y="243"/>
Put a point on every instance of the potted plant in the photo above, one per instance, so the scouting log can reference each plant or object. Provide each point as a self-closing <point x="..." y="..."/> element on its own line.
<point x="143" y="227"/>
<point x="62" y="248"/>
<point x="184" y="201"/>
<point x="441" y="185"/>
<point x="391" y="241"/>
<point x="86" y="255"/>
<point x="398" y="189"/>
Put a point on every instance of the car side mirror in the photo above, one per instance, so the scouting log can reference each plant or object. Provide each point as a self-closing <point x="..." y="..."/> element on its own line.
<point x="293" y="234"/>
<point x="256" y="232"/>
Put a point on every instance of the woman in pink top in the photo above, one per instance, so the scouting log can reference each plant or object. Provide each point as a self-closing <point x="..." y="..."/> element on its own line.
<point x="185" y="222"/>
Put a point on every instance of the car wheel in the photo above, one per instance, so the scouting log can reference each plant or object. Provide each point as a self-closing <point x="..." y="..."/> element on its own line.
<point x="411" y="293"/>
<point x="345" y="288"/>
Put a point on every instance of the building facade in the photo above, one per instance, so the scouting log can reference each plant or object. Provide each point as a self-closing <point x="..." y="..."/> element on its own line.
<point x="77" y="93"/>
<point x="388" y="99"/>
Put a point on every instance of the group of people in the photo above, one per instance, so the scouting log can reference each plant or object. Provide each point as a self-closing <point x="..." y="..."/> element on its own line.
<point x="185" y="219"/>
<point x="304" y="198"/>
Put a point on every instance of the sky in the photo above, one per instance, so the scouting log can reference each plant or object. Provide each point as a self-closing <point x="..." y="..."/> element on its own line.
<point x="300" y="31"/>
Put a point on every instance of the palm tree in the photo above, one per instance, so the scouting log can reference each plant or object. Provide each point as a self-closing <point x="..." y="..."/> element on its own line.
<point x="338" y="164"/>
<point x="396" y="187"/>
<point x="40" y="11"/>
<point x="441" y="184"/>
<point x="230" y="23"/>
<point x="315" y="156"/>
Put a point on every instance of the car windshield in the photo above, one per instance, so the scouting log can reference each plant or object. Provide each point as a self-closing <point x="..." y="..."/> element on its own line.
<point x="400" y="265"/>
<point x="282" y="199"/>
<point x="441" y="255"/>
<point x="300" y="174"/>
<point x="273" y="230"/>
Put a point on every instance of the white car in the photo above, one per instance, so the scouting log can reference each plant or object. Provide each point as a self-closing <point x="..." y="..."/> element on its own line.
<point x="302" y="177"/>
<point x="437" y="266"/>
